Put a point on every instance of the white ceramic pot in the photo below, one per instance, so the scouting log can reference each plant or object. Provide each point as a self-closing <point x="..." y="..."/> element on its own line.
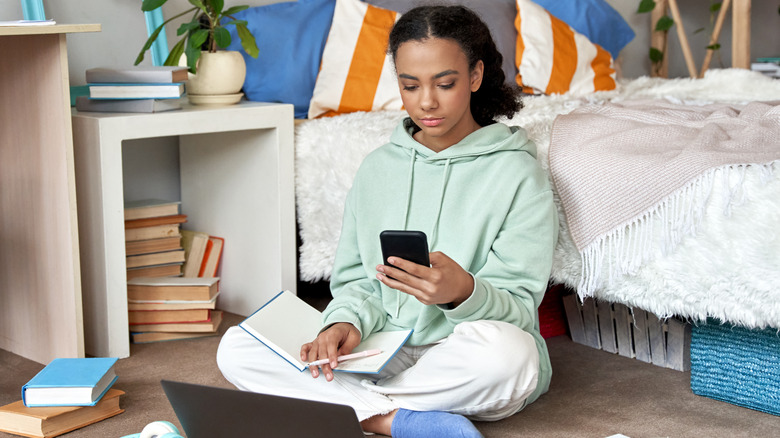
<point x="219" y="73"/>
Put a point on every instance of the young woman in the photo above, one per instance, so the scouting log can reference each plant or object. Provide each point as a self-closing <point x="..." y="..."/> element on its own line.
<point x="475" y="188"/>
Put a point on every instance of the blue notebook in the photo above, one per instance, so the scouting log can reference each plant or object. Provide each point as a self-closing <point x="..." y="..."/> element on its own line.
<point x="70" y="382"/>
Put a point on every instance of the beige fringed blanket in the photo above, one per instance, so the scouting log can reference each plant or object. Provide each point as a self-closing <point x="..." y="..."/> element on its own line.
<point x="621" y="169"/>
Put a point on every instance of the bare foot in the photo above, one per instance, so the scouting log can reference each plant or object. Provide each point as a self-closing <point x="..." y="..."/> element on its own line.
<point x="380" y="424"/>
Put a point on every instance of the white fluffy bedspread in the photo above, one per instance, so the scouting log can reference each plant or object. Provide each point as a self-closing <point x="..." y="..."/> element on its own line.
<point x="726" y="265"/>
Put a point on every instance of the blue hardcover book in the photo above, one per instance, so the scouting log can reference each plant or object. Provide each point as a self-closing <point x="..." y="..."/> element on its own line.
<point x="70" y="382"/>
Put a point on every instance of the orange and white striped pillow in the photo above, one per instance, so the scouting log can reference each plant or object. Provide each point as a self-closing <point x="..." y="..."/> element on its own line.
<point x="356" y="74"/>
<point x="553" y="58"/>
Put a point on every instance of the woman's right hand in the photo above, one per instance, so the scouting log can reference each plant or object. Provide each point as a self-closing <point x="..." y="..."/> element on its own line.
<point x="337" y="340"/>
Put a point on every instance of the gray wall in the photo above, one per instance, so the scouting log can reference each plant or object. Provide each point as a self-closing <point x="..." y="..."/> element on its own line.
<point x="124" y="32"/>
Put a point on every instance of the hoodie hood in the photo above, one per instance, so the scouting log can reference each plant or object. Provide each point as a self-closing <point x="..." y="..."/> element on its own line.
<point x="491" y="139"/>
<point x="486" y="140"/>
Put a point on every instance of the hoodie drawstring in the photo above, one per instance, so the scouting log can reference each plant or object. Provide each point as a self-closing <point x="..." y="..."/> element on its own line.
<point x="444" y="181"/>
<point x="409" y="182"/>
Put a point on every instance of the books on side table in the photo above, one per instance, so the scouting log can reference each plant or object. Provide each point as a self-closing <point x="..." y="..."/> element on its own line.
<point x="16" y="23"/>
<point x="135" y="89"/>
<point x="137" y="73"/>
<point x="84" y="103"/>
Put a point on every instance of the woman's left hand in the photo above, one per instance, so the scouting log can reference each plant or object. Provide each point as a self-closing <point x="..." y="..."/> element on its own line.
<point x="444" y="282"/>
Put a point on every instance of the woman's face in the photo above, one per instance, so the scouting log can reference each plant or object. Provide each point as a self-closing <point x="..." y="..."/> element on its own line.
<point x="436" y="86"/>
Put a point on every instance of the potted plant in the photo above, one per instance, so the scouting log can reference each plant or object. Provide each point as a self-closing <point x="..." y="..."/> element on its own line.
<point x="212" y="71"/>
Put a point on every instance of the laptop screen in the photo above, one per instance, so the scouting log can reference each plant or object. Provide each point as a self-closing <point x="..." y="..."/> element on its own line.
<point x="208" y="412"/>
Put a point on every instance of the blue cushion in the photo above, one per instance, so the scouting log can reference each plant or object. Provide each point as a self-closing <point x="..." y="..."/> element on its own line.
<point x="595" y="19"/>
<point x="290" y="37"/>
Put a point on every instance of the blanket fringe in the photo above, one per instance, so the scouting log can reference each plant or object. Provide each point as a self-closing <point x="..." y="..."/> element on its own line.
<point x="629" y="246"/>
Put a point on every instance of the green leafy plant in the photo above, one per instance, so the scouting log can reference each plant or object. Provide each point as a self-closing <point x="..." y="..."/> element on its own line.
<point x="714" y="9"/>
<point x="662" y="25"/>
<point x="666" y="22"/>
<point x="205" y="31"/>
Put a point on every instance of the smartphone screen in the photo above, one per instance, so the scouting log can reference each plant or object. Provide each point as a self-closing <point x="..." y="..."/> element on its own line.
<point x="408" y="245"/>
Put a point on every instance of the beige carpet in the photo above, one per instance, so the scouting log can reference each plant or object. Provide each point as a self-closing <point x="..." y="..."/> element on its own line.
<point x="593" y="394"/>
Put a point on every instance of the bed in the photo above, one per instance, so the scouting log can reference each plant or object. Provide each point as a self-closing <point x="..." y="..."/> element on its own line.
<point x="705" y="246"/>
<point x="721" y="260"/>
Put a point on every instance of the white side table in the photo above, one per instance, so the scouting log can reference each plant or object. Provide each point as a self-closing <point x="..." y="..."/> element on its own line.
<point x="237" y="182"/>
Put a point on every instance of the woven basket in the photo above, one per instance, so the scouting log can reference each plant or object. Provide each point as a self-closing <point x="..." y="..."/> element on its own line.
<point x="736" y="365"/>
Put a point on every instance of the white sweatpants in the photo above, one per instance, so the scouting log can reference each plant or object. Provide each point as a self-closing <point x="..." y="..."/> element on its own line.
<point x="485" y="370"/>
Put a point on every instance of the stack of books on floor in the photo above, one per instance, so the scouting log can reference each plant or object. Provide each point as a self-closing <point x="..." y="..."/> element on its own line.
<point x="767" y="66"/>
<point x="171" y="308"/>
<point x="133" y="89"/>
<point x="172" y="274"/>
<point x="69" y="393"/>
<point x="202" y="253"/>
<point x="153" y="238"/>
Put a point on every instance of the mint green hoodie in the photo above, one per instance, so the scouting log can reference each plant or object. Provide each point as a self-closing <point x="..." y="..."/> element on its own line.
<point x="485" y="202"/>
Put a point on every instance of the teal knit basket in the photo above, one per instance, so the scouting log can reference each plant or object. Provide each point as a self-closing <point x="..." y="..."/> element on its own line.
<point x="736" y="365"/>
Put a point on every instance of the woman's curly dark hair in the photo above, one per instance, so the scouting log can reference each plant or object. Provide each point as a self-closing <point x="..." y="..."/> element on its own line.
<point x="458" y="23"/>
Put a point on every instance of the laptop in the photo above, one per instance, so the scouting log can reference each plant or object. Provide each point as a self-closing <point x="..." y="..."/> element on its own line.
<point x="209" y="412"/>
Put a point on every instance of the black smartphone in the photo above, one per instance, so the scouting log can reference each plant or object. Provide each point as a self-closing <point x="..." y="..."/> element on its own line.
<point x="408" y="245"/>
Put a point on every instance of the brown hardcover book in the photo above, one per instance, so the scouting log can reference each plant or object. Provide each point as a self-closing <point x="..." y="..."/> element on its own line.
<point x="156" y="258"/>
<point x="44" y="422"/>
<point x="170" y="270"/>
<point x="172" y="289"/>
<point x="211" y="261"/>
<point x="146" y="337"/>
<point x="155" y="221"/>
<point x="189" y="327"/>
<point x="152" y="245"/>
<point x="146" y="208"/>
<point x="194" y="244"/>
<point x="168" y="316"/>
<point x="155" y="232"/>
<point x="172" y="305"/>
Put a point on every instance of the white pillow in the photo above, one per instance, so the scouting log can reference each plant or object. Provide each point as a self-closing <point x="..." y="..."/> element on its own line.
<point x="553" y="58"/>
<point x="356" y="73"/>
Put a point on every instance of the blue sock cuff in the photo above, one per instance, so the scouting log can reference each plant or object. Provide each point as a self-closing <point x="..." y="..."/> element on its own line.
<point x="432" y="424"/>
